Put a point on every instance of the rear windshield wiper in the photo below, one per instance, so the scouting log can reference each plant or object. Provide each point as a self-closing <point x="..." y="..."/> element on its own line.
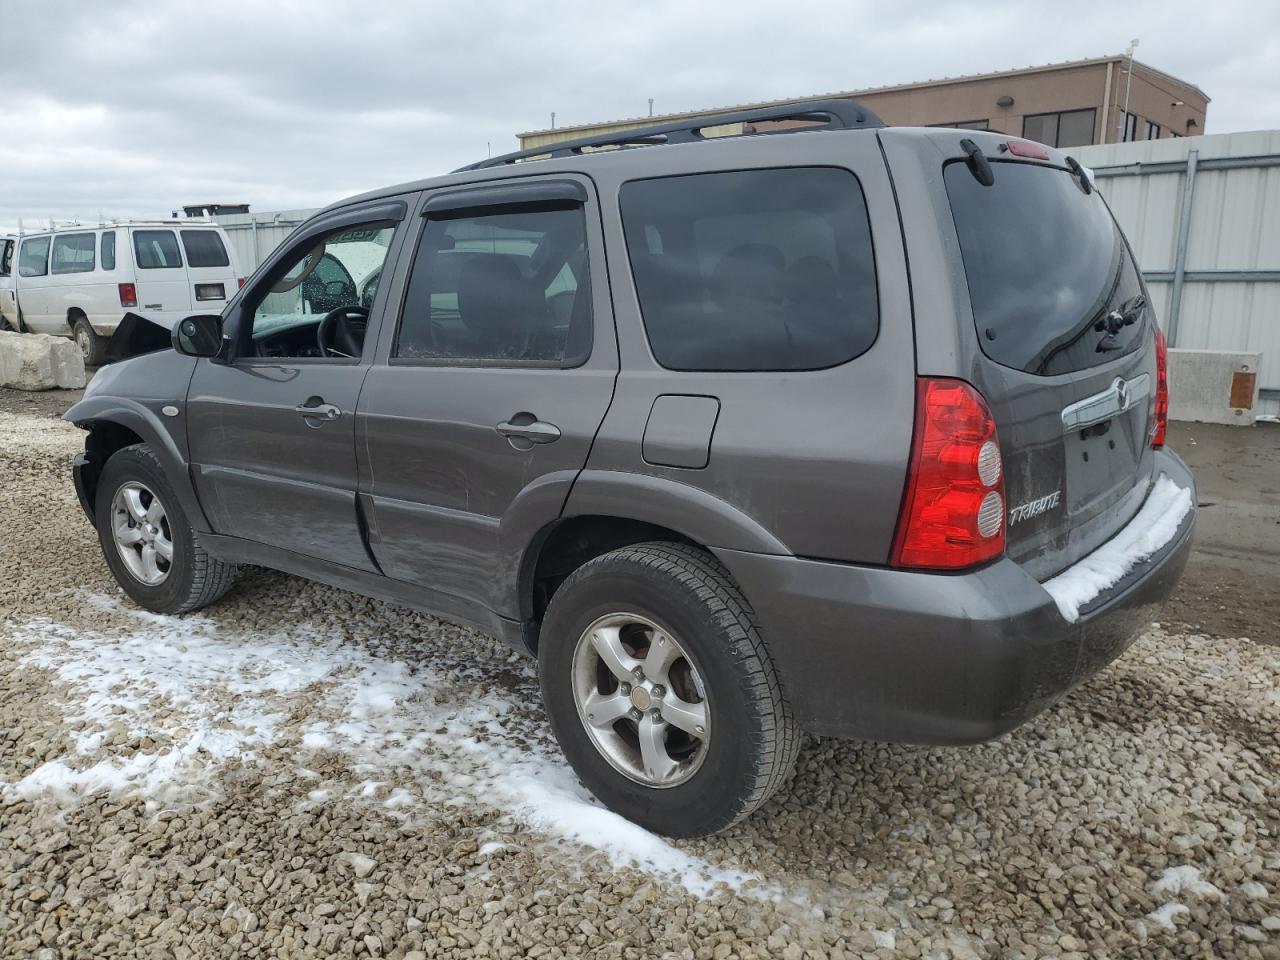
<point x="1116" y="320"/>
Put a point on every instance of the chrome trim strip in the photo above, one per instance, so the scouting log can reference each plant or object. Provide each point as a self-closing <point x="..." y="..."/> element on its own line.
<point x="1122" y="395"/>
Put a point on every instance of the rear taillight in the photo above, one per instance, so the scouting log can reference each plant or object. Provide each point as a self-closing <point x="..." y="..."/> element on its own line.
<point x="128" y="295"/>
<point x="1161" y="420"/>
<point x="240" y="283"/>
<point x="953" y="511"/>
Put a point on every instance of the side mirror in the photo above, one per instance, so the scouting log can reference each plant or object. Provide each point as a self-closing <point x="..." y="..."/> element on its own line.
<point x="199" y="336"/>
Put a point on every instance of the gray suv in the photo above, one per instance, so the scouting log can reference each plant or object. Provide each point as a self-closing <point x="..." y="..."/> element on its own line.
<point x="824" y="427"/>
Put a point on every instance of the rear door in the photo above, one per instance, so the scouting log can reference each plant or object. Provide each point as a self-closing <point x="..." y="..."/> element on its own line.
<point x="164" y="294"/>
<point x="211" y="273"/>
<point x="482" y="407"/>
<point x="1067" y="358"/>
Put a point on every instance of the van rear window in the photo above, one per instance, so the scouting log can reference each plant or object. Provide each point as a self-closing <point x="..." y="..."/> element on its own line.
<point x="204" y="249"/>
<point x="1045" y="264"/>
<point x="156" y="249"/>
<point x="753" y="269"/>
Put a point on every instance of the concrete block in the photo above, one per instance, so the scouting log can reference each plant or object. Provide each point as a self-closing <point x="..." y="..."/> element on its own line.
<point x="1213" y="386"/>
<point x="37" y="361"/>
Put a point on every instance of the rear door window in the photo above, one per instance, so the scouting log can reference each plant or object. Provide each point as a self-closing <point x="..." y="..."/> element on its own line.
<point x="204" y="248"/>
<point x="503" y="287"/>
<point x="753" y="269"/>
<point x="156" y="249"/>
<point x="1045" y="264"/>
<point x="33" y="260"/>
<point x="73" y="252"/>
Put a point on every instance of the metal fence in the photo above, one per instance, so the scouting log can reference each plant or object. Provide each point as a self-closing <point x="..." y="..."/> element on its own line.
<point x="1203" y="215"/>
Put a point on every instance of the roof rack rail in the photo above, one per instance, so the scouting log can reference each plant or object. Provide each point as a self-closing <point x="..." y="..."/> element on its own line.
<point x="841" y="114"/>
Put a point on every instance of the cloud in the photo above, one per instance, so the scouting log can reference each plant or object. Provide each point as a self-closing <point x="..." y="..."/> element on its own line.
<point x="126" y="108"/>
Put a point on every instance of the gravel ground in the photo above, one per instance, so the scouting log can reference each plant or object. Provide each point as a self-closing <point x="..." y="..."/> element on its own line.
<point x="303" y="772"/>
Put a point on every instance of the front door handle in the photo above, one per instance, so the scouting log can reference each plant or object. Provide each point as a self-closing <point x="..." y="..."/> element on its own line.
<point x="316" y="409"/>
<point x="535" y="431"/>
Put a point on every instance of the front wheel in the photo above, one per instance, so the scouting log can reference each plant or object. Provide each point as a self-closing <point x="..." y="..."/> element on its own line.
<point x="152" y="550"/>
<point x="660" y="690"/>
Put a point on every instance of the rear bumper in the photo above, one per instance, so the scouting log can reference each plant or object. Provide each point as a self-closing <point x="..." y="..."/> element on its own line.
<point x="882" y="654"/>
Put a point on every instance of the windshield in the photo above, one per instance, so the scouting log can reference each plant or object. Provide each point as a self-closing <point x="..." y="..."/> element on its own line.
<point x="1045" y="264"/>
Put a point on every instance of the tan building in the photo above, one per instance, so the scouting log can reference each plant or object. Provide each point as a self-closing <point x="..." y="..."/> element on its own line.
<point x="1062" y="104"/>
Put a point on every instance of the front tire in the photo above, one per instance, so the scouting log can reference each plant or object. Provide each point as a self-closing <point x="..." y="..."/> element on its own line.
<point x="151" y="548"/>
<point x="92" y="347"/>
<point x="660" y="690"/>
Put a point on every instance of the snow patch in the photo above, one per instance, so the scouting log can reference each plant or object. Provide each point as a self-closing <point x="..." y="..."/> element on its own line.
<point x="1184" y="879"/>
<point x="1151" y="528"/>
<point x="1167" y="915"/>
<point x="439" y="732"/>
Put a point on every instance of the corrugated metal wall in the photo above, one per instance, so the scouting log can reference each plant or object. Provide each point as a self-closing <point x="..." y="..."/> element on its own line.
<point x="255" y="235"/>
<point x="1230" y="254"/>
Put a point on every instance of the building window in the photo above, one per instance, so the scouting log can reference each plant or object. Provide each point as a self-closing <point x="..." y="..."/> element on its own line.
<point x="1130" y="127"/>
<point x="965" y="124"/>
<point x="1072" y="128"/>
<point x="1153" y="130"/>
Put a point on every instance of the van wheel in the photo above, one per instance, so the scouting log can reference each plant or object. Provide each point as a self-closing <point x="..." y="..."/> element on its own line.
<point x="152" y="551"/>
<point x="92" y="347"/>
<point x="660" y="690"/>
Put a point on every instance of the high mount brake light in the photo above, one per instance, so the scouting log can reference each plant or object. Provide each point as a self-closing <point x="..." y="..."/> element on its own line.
<point x="1160" y="423"/>
<point x="952" y="514"/>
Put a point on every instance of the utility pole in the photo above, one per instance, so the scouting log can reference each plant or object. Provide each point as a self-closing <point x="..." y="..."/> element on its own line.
<point x="1128" y="84"/>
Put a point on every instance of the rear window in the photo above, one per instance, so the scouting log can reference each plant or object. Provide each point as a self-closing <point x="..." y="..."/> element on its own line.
<point x="156" y="249"/>
<point x="109" y="250"/>
<point x="1045" y="264"/>
<point x="753" y="269"/>
<point x="73" y="252"/>
<point x="204" y="249"/>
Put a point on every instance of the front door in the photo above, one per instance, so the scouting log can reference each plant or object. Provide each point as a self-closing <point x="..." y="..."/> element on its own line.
<point x="482" y="408"/>
<point x="272" y="433"/>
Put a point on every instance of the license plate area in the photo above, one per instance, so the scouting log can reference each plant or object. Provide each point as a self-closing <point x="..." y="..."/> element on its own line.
<point x="211" y="291"/>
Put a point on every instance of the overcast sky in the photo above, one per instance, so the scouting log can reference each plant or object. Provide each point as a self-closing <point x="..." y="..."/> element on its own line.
<point x="135" y="108"/>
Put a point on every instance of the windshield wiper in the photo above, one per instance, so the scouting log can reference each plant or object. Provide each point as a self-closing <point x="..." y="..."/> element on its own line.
<point x="1116" y="320"/>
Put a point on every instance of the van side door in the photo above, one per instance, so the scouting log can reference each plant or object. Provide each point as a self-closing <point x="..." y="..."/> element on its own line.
<point x="484" y="401"/>
<point x="164" y="295"/>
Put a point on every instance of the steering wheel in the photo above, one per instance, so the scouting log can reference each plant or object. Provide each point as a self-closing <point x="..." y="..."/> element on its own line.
<point x="345" y="327"/>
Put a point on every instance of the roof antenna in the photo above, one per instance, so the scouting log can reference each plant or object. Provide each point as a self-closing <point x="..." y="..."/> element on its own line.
<point x="651" y="106"/>
<point x="553" y="119"/>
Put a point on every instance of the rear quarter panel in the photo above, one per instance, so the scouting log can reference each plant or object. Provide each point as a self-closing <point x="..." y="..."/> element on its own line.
<point x="816" y="459"/>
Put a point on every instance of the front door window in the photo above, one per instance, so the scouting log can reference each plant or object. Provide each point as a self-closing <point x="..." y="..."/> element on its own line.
<point x="319" y="307"/>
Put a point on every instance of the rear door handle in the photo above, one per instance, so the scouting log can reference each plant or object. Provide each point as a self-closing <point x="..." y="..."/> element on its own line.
<point x="535" y="432"/>
<point x="318" y="411"/>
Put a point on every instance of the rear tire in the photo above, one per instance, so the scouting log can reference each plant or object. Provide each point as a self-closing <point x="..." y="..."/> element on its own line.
<point x="627" y="603"/>
<point x="139" y="520"/>
<point x="92" y="347"/>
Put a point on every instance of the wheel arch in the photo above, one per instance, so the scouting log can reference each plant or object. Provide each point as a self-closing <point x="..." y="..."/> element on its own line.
<point x="114" y="423"/>
<point x="608" y="510"/>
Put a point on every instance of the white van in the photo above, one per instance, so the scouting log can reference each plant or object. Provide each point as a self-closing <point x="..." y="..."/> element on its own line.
<point x="8" y="298"/>
<point x="81" y="281"/>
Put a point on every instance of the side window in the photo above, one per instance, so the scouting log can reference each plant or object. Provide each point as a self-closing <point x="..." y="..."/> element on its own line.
<point x="204" y="249"/>
<point x="319" y="305"/>
<point x="33" y="260"/>
<point x="108" y="258"/>
<point x="6" y="258"/>
<point x="156" y="249"/>
<point x="73" y="252"/>
<point x="753" y="269"/>
<point x="508" y="287"/>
